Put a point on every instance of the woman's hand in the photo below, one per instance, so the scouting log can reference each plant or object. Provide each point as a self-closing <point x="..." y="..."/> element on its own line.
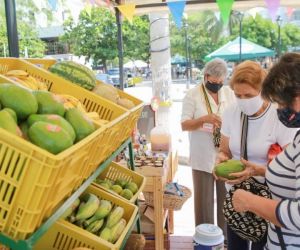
<point x="221" y="157"/>
<point x="251" y="169"/>
<point x="213" y="119"/>
<point x="240" y="200"/>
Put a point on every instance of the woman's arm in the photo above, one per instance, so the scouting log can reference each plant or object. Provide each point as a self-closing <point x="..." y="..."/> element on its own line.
<point x="244" y="201"/>
<point x="224" y="150"/>
<point x="193" y="124"/>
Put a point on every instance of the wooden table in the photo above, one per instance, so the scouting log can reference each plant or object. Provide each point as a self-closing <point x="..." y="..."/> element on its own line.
<point x="155" y="182"/>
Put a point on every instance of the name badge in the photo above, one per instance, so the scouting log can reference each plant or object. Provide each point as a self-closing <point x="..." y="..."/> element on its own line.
<point x="208" y="127"/>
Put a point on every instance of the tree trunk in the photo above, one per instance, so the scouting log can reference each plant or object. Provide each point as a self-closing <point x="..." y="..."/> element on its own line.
<point x="104" y="65"/>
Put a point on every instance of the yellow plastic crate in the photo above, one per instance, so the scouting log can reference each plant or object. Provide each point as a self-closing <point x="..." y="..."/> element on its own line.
<point x="42" y="63"/>
<point x="115" y="171"/>
<point x="66" y="236"/>
<point x="134" y="113"/>
<point x="33" y="181"/>
<point x="118" y="116"/>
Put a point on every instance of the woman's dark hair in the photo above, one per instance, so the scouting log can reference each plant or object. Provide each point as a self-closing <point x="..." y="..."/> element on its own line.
<point x="282" y="83"/>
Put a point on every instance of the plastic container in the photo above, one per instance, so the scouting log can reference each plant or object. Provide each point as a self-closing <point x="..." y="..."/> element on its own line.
<point x="160" y="139"/>
<point x="134" y="113"/>
<point x="33" y="181"/>
<point x="208" y="237"/>
<point x="115" y="171"/>
<point x="66" y="236"/>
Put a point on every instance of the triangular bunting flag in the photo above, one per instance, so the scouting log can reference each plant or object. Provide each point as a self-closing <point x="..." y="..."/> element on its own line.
<point x="107" y="2"/>
<point x="273" y="6"/>
<point x="177" y="9"/>
<point x="92" y="2"/>
<point x="225" y="7"/>
<point x="127" y="10"/>
<point x="290" y="11"/>
<point x="52" y="3"/>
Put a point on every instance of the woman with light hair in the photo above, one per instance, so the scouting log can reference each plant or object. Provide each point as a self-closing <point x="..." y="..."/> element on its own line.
<point x="263" y="130"/>
<point x="201" y="111"/>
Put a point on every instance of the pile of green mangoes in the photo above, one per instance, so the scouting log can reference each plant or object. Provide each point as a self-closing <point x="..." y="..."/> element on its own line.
<point x="121" y="187"/>
<point x="97" y="216"/>
<point x="40" y="117"/>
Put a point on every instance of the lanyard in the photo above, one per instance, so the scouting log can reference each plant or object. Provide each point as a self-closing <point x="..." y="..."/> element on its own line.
<point x="208" y="106"/>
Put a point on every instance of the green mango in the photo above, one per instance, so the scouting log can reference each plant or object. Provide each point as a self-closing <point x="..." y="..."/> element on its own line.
<point x="12" y="113"/>
<point x="24" y="128"/>
<point x="53" y="119"/>
<point x="132" y="187"/>
<point x="48" y="103"/>
<point x="8" y="123"/>
<point x="82" y="125"/>
<point x="224" y="169"/>
<point x="52" y="138"/>
<point x="19" y="99"/>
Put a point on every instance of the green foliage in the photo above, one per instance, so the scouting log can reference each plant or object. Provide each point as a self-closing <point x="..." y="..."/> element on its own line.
<point x="204" y="32"/>
<point x="95" y="36"/>
<point x="28" y="35"/>
<point x="265" y="33"/>
<point x="207" y="33"/>
<point x="136" y="38"/>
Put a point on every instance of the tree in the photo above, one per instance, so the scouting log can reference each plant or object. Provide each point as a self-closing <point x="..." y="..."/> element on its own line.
<point x="95" y="36"/>
<point x="136" y="38"/>
<point x="265" y="33"/>
<point x="27" y="28"/>
<point x="204" y="32"/>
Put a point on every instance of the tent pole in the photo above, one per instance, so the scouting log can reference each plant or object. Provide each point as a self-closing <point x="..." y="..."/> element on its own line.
<point x="11" y="24"/>
<point x="120" y="46"/>
<point x="240" y="17"/>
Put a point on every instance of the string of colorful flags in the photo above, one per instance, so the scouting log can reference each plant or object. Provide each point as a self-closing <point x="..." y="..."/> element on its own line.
<point x="176" y="8"/>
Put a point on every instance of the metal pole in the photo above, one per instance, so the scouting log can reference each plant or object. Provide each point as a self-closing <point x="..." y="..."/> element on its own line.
<point x="240" y="57"/>
<point x="120" y="46"/>
<point x="186" y="56"/>
<point x="11" y="24"/>
<point x="279" y="41"/>
<point x="190" y="60"/>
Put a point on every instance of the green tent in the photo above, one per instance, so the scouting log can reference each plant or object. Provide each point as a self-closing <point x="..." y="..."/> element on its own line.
<point x="178" y="59"/>
<point x="231" y="51"/>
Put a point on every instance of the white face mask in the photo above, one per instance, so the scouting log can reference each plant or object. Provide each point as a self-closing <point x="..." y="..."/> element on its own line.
<point x="251" y="105"/>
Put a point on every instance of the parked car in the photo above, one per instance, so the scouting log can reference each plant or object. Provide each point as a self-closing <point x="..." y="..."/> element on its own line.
<point x="104" y="78"/>
<point x="114" y="74"/>
<point x="132" y="80"/>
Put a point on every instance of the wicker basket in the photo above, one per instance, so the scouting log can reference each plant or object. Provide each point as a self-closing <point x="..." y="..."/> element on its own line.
<point x="135" y="242"/>
<point x="170" y="201"/>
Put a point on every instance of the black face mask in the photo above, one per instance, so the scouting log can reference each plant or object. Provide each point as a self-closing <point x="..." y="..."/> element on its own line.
<point x="289" y="118"/>
<point x="213" y="87"/>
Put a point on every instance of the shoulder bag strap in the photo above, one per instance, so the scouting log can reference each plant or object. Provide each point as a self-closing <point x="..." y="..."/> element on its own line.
<point x="280" y="237"/>
<point x="244" y="132"/>
<point x="208" y="107"/>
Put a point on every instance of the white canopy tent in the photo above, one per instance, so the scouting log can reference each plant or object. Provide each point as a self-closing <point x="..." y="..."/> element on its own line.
<point x="135" y="64"/>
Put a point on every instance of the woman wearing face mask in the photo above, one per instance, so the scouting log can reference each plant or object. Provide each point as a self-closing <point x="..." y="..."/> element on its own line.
<point x="201" y="110"/>
<point x="282" y="85"/>
<point x="264" y="129"/>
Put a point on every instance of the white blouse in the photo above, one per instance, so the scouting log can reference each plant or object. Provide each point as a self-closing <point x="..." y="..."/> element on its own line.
<point x="202" y="150"/>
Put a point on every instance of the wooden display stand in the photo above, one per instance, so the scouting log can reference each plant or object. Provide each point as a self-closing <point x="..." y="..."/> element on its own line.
<point x="155" y="183"/>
